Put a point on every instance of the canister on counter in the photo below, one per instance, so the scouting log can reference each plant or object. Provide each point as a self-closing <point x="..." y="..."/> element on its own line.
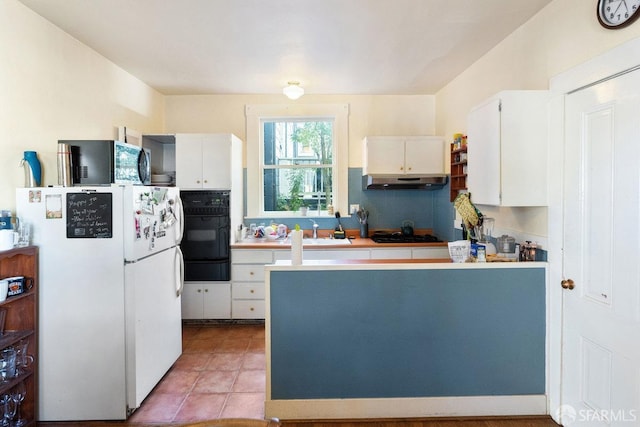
<point x="481" y="254"/>
<point x="528" y="251"/>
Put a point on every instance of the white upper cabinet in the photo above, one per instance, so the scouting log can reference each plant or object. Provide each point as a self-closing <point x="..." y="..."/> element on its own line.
<point x="205" y="161"/>
<point x="403" y="155"/>
<point x="507" y="149"/>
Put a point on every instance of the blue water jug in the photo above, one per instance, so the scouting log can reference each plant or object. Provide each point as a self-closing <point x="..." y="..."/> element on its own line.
<point x="32" y="169"/>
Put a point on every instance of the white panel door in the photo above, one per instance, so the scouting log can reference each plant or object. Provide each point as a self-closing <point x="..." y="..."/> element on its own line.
<point x="601" y="314"/>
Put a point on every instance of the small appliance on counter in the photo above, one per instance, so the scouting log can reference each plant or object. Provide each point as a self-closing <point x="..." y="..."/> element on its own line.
<point x="528" y="251"/>
<point x="506" y="247"/>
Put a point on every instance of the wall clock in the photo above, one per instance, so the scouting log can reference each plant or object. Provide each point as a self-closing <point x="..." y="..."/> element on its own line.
<point x="614" y="14"/>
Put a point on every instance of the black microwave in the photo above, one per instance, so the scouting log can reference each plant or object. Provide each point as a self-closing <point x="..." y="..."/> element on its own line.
<point x="104" y="162"/>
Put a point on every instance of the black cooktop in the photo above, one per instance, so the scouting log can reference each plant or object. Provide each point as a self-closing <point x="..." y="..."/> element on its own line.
<point x="380" y="237"/>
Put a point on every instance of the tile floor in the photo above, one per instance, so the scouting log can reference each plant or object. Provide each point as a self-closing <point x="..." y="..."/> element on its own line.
<point x="220" y="374"/>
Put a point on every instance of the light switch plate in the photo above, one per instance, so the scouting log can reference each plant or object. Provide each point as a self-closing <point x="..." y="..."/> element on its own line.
<point x="353" y="209"/>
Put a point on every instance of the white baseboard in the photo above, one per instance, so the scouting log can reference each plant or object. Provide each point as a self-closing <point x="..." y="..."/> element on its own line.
<point x="407" y="407"/>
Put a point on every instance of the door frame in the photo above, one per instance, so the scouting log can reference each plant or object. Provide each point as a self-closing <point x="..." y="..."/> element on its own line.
<point x="602" y="67"/>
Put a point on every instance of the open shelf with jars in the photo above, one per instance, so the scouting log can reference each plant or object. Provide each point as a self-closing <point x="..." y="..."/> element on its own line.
<point x="458" y="170"/>
<point x="19" y="339"/>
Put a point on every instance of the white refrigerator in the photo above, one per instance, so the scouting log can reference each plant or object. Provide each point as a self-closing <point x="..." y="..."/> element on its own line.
<point x="110" y="287"/>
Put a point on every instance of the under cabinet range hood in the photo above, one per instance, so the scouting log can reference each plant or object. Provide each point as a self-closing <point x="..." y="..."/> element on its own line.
<point x="403" y="182"/>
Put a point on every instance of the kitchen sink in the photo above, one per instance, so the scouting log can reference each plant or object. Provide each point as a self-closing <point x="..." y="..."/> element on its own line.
<point x="325" y="241"/>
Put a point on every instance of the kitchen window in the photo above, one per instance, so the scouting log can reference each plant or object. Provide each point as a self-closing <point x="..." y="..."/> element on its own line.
<point x="296" y="158"/>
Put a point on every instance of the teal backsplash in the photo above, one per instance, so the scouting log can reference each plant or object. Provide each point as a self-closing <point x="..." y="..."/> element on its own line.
<point x="387" y="209"/>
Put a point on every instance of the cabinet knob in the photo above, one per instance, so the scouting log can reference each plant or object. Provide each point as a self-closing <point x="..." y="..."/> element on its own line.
<point x="205" y="181"/>
<point x="197" y="181"/>
<point x="206" y="290"/>
<point x="251" y="291"/>
<point x="251" y="273"/>
<point x="409" y="168"/>
<point x="401" y="168"/>
<point x="251" y="309"/>
<point x="199" y="290"/>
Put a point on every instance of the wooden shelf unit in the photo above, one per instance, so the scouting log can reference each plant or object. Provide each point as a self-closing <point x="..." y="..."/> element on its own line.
<point x="21" y="322"/>
<point x="458" y="170"/>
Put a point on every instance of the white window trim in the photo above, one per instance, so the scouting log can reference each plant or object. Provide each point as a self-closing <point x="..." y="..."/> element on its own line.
<point x="254" y="116"/>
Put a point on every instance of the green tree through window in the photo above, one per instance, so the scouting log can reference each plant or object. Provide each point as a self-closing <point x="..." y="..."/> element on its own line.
<point x="298" y="164"/>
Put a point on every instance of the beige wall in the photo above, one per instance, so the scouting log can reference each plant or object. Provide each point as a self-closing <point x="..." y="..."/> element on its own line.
<point x="54" y="87"/>
<point x="369" y="115"/>
<point x="563" y="35"/>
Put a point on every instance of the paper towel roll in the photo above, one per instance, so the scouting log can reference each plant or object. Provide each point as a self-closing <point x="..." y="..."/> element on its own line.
<point x="296" y="247"/>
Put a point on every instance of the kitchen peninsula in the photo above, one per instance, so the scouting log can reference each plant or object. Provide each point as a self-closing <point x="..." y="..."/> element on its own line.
<point x="376" y="339"/>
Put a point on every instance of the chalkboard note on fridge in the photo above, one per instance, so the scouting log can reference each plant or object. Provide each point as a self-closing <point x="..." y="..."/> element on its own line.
<point x="89" y="215"/>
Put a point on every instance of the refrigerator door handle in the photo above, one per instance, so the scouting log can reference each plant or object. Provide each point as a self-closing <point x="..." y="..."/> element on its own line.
<point x="179" y="272"/>
<point x="180" y="215"/>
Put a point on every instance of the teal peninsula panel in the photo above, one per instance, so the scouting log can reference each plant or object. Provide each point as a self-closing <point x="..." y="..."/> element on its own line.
<point x="369" y="333"/>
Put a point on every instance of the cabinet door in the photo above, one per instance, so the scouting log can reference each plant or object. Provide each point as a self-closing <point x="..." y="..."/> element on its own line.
<point x="189" y="161"/>
<point x="252" y="256"/>
<point x="391" y="253"/>
<point x="248" y="290"/>
<point x="216" y="162"/>
<point x="216" y="300"/>
<point x="384" y="156"/>
<point x="483" y="149"/>
<point x="335" y="254"/>
<point x="430" y="253"/>
<point x="248" y="309"/>
<point x="247" y="272"/>
<point x="192" y="307"/>
<point x="524" y="148"/>
<point x="424" y="156"/>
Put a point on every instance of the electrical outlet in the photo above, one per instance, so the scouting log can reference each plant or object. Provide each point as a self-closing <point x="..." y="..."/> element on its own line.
<point x="353" y="209"/>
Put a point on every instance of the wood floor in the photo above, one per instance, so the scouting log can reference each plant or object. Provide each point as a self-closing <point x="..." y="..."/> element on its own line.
<point x="429" y="422"/>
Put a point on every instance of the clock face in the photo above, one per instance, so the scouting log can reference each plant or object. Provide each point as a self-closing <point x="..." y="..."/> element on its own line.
<point x="617" y="13"/>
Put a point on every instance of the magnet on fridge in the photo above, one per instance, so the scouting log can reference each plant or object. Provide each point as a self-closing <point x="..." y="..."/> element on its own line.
<point x="136" y="220"/>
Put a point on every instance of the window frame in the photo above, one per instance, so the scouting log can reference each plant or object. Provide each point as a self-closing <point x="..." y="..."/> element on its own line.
<point x="257" y="114"/>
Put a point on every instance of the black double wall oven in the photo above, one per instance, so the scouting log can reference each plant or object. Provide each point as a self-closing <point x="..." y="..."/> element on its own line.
<point x="206" y="242"/>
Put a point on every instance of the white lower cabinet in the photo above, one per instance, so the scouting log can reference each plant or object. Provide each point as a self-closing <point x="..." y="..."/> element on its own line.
<point x="324" y="254"/>
<point x="247" y="289"/>
<point x="391" y="253"/>
<point x="206" y="300"/>
<point x="430" y="253"/>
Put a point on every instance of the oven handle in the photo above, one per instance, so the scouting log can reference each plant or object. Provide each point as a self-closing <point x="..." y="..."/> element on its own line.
<point x="206" y="216"/>
<point x="179" y="272"/>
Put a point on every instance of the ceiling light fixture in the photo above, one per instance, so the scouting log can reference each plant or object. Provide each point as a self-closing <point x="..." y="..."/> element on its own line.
<point x="293" y="90"/>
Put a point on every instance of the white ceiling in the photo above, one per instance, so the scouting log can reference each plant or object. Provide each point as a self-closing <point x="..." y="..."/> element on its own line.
<point x="256" y="46"/>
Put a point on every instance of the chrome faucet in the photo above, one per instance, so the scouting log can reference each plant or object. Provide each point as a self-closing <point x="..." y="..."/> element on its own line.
<point x="315" y="229"/>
